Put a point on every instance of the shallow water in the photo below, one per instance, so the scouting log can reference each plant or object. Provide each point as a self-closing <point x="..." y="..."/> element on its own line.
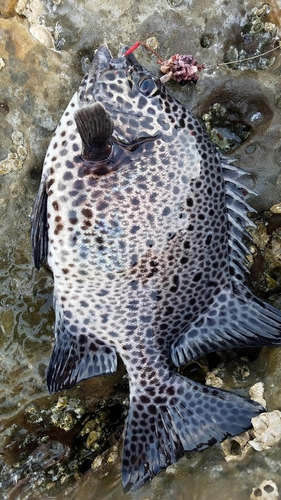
<point x="39" y="459"/>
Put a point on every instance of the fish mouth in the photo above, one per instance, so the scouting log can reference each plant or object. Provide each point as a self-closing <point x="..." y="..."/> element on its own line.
<point x="103" y="59"/>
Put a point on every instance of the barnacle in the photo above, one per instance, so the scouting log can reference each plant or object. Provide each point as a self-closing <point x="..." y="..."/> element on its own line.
<point x="267" y="490"/>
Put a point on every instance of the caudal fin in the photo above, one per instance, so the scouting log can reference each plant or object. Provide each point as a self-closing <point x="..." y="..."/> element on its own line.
<point x="180" y="416"/>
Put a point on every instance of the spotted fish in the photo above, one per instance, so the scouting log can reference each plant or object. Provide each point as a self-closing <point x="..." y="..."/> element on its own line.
<point x="141" y="222"/>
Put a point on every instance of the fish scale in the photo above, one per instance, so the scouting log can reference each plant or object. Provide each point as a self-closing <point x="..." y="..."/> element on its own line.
<point x="141" y="221"/>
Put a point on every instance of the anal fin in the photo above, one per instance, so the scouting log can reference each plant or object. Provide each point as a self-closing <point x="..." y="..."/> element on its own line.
<point x="77" y="357"/>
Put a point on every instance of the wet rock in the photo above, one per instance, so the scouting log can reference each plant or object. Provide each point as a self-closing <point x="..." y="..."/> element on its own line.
<point x="226" y="133"/>
<point x="41" y="49"/>
<point x="7" y="8"/>
<point x="258" y="35"/>
<point x="265" y="261"/>
<point x="37" y="473"/>
<point x="66" y="412"/>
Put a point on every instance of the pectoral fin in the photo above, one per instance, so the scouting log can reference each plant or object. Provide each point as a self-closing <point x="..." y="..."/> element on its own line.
<point x="95" y="127"/>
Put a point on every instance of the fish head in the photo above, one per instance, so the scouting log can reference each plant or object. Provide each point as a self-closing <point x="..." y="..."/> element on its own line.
<point x="135" y="98"/>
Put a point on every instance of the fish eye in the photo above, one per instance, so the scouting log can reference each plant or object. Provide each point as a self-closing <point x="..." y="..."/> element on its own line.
<point x="148" y="87"/>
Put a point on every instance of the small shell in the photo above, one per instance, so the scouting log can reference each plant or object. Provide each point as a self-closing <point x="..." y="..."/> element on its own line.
<point x="17" y="138"/>
<point x="113" y="456"/>
<point x="276" y="209"/>
<point x="40" y="32"/>
<point x="256" y="393"/>
<point x="213" y="381"/>
<point x="97" y="462"/>
<point x="236" y="448"/>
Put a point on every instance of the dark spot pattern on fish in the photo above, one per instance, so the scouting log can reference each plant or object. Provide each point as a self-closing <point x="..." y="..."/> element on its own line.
<point x="142" y="223"/>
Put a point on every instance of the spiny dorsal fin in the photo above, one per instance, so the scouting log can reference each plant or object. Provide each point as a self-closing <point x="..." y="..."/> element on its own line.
<point x="94" y="125"/>
<point x="39" y="227"/>
<point x="238" y="220"/>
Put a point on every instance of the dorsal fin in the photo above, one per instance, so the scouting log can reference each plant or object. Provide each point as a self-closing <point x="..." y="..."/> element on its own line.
<point x="39" y="227"/>
<point x="95" y="127"/>
<point x="237" y="208"/>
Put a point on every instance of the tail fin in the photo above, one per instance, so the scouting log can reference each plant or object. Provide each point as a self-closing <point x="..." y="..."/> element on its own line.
<point x="236" y="319"/>
<point x="180" y="416"/>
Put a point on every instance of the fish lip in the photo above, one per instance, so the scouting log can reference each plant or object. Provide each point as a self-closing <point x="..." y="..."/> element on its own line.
<point x="100" y="62"/>
<point x="104" y="50"/>
<point x="131" y="60"/>
<point x="122" y="50"/>
<point x="101" y="59"/>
